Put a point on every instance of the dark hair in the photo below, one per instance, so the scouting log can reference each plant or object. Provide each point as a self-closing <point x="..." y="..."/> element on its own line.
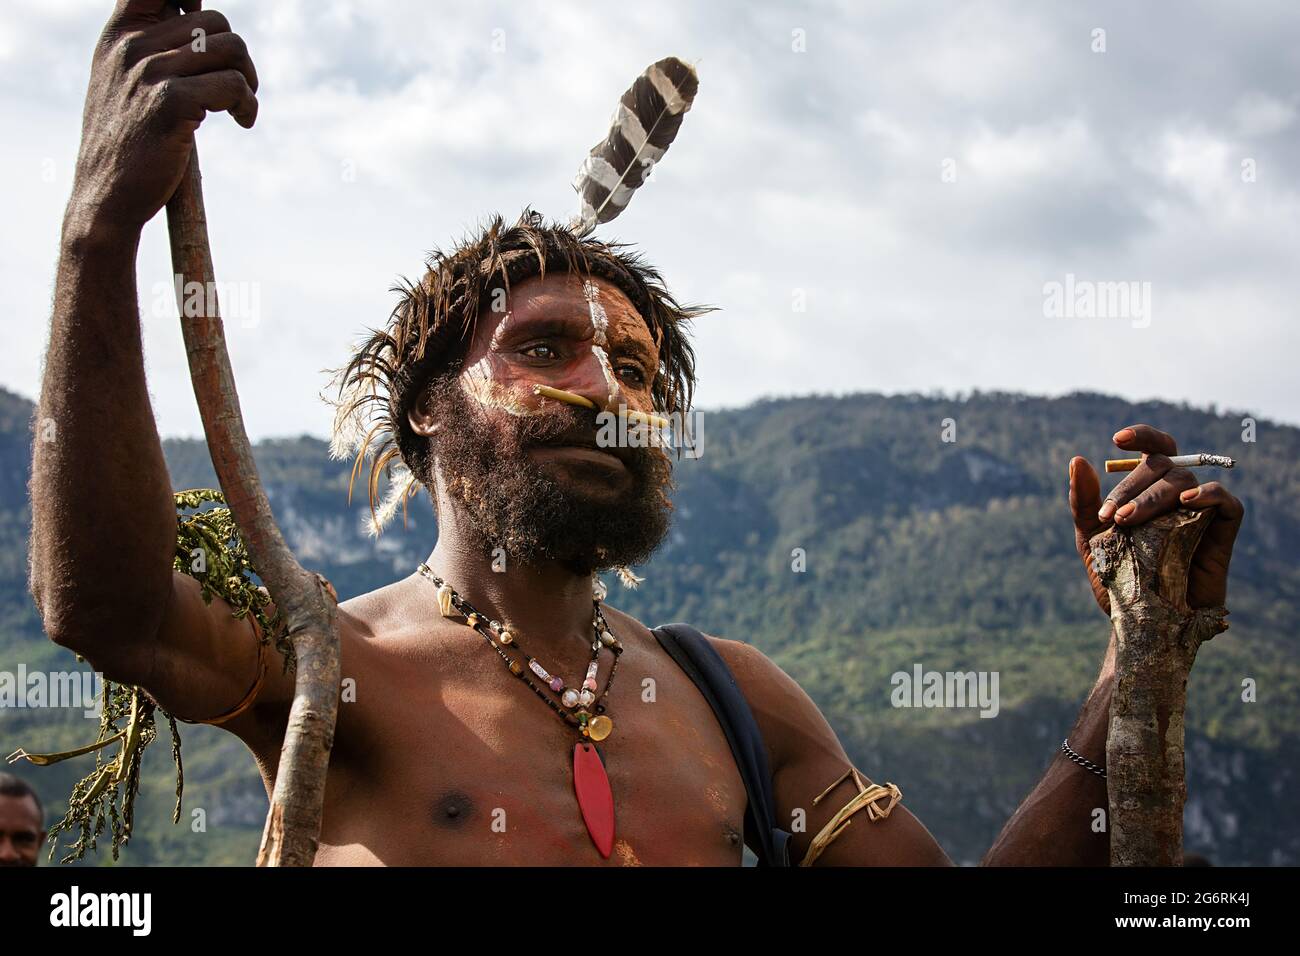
<point x="432" y="324"/>
<point x="12" y="786"/>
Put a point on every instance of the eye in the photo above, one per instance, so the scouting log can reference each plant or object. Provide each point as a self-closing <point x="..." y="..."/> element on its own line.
<point x="632" y="371"/>
<point x="541" y="351"/>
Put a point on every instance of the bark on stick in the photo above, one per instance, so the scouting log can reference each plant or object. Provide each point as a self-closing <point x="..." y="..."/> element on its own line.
<point x="305" y="599"/>
<point x="1157" y="636"/>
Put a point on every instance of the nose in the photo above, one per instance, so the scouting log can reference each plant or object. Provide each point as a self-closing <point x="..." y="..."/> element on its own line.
<point x="591" y="375"/>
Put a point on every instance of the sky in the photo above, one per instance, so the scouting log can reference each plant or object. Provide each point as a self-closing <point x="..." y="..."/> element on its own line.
<point x="893" y="197"/>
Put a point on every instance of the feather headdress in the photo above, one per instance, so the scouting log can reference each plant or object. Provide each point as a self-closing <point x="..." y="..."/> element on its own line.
<point x="644" y="125"/>
<point x="436" y="316"/>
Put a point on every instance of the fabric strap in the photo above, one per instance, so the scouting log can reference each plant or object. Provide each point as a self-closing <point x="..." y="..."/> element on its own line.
<point x="710" y="673"/>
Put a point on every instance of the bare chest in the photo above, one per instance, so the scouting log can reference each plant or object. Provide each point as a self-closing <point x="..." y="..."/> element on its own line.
<point x="456" y="762"/>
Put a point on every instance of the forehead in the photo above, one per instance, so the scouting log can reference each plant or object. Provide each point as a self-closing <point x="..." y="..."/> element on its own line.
<point x="18" y="812"/>
<point x="559" y="296"/>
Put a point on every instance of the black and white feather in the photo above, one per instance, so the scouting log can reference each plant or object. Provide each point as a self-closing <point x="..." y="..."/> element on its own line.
<point x="644" y="125"/>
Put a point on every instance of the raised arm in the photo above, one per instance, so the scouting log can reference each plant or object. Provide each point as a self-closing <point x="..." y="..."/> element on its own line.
<point x="1062" y="821"/>
<point x="1059" y="823"/>
<point x="1065" y="819"/>
<point x="103" y="521"/>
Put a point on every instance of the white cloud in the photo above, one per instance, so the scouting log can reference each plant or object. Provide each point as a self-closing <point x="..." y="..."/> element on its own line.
<point x="817" y="170"/>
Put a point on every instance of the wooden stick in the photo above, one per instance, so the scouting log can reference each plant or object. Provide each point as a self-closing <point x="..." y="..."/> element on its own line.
<point x="1157" y="635"/>
<point x="560" y="395"/>
<point x="573" y="398"/>
<point x="305" y="599"/>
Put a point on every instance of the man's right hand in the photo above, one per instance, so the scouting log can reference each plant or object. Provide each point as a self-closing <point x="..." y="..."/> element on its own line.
<point x="103" y="515"/>
<point x="154" y="77"/>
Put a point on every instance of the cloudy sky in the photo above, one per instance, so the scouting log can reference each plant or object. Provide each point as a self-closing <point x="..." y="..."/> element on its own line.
<point x="875" y="195"/>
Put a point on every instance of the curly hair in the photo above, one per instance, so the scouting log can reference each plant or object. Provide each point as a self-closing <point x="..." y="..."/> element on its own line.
<point x="433" y="322"/>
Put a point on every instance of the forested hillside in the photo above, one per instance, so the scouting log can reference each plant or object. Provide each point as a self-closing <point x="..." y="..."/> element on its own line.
<point x="954" y="555"/>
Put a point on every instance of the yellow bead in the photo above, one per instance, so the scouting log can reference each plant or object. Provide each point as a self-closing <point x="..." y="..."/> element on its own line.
<point x="600" y="727"/>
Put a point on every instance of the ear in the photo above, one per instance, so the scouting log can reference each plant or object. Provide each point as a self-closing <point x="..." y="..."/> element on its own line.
<point x="420" y="415"/>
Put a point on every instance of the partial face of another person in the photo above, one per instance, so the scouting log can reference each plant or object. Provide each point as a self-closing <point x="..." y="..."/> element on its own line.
<point x="529" y="470"/>
<point x="21" y="833"/>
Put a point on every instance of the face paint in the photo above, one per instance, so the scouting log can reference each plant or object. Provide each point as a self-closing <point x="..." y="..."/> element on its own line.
<point x="600" y="338"/>
<point x="482" y="388"/>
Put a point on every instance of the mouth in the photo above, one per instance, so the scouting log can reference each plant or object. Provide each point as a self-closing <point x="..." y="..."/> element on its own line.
<point x="585" y="453"/>
<point x="581" y="447"/>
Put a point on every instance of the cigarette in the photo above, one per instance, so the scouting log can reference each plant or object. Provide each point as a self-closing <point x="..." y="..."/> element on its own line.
<point x="1202" y="460"/>
<point x="573" y="398"/>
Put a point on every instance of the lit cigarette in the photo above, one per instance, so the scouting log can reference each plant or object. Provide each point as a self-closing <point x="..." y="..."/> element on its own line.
<point x="1203" y="460"/>
<point x="573" y="398"/>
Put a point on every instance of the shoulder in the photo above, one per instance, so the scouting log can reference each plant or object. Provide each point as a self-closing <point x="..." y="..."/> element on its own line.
<point x="385" y="612"/>
<point x="789" y="719"/>
<point x="756" y="673"/>
<point x="753" y="669"/>
<point x="361" y="622"/>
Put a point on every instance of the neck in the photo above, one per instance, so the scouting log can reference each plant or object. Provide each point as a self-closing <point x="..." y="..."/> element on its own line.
<point x="545" y="604"/>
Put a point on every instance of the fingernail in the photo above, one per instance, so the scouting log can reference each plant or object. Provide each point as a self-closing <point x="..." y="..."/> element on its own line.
<point x="1190" y="494"/>
<point x="1107" y="509"/>
<point x="1127" y="510"/>
<point x="1123" y="435"/>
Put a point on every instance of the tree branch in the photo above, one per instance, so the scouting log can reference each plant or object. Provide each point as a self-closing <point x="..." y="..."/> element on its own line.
<point x="1157" y="634"/>
<point x="306" y="600"/>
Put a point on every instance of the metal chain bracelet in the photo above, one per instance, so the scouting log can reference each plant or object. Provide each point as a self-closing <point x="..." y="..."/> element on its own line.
<point x="1083" y="762"/>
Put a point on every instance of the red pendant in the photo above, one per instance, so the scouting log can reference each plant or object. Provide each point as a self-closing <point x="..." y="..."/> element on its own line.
<point x="594" y="797"/>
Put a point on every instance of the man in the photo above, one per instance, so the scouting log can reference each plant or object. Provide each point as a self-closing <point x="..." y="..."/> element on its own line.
<point x="22" y="822"/>
<point x="487" y="384"/>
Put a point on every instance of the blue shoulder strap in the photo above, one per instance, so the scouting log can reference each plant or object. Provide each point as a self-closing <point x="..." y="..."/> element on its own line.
<point x="702" y="663"/>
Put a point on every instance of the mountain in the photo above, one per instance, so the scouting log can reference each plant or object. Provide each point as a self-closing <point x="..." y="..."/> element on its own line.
<point x="952" y="555"/>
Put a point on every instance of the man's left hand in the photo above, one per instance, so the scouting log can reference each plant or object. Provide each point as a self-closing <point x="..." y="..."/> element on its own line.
<point x="1155" y="488"/>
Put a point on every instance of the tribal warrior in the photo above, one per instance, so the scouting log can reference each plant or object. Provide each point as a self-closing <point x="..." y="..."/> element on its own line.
<point x="487" y="699"/>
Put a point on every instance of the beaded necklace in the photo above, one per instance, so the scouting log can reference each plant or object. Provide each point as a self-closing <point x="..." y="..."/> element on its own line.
<point x="590" y="782"/>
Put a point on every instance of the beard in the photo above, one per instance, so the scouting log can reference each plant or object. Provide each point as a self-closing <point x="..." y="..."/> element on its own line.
<point x="515" y="504"/>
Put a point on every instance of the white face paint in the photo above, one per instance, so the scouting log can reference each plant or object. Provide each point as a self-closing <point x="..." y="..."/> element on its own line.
<point x="479" y="385"/>
<point x="600" y="338"/>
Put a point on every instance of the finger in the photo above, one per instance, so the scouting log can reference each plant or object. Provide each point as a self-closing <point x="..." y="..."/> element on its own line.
<point x="1227" y="522"/>
<point x="1085" y="497"/>
<point x="1210" y="495"/>
<point x="225" y="51"/>
<point x="153" y="7"/>
<point x="1146" y="439"/>
<point x="1161" y="498"/>
<point x="1149" y="470"/>
<point x="178" y="32"/>
<point x="227" y="91"/>
<point x="1208" y="577"/>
